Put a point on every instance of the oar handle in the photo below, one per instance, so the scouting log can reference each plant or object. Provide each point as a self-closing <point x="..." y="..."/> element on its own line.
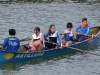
<point x="52" y="42"/>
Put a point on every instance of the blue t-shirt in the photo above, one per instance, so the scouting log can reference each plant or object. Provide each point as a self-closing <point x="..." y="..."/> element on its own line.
<point x="11" y="44"/>
<point x="84" y="31"/>
<point x="68" y="37"/>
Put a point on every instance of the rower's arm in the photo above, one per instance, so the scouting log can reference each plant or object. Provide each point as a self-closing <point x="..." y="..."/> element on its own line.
<point x="59" y="38"/>
<point x="74" y="35"/>
<point x="31" y="43"/>
<point x="42" y="37"/>
<point x="79" y="27"/>
<point x="63" y="35"/>
<point x="4" y="44"/>
<point x="87" y="31"/>
<point x="46" y="35"/>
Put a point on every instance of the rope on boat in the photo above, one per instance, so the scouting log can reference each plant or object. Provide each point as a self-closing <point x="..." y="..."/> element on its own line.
<point x="83" y="51"/>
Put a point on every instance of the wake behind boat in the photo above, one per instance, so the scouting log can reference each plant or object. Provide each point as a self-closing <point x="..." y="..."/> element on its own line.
<point x="15" y="57"/>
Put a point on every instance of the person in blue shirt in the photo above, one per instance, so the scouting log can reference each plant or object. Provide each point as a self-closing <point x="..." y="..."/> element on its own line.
<point x="68" y="36"/>
<point x="84" y="27"/>
<point x="11" y="44"/>
<point x="53" y="36"/>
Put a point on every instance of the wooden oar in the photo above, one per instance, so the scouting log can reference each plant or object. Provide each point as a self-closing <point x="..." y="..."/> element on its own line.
<point x="77" y="49"/>
<point x="83" y="51"/>
<point x="25" y="39"/>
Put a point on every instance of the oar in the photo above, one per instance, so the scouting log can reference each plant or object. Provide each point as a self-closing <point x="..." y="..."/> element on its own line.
<point x="25" y="39"/>
<point x="77" y="49"/>
<point x="51" y="42"/>
<point x="82" y="51"/>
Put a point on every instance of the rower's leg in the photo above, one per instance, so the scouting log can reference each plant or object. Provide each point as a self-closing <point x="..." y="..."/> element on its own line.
<point x="38" y="46"/>
<point x="68" y="43"/>
<point x="32" y="49"/>
<point x="63" y="44"/>
<point x="22" y="49"/>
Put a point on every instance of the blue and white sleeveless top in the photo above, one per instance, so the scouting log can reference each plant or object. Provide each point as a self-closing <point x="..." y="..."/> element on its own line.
<point x="68" y="36"/>
<point x="38" y="37"/>
<point x="55" y="34"/>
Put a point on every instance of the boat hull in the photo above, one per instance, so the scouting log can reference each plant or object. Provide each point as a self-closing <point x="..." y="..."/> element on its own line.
<point x="6" y="57"/>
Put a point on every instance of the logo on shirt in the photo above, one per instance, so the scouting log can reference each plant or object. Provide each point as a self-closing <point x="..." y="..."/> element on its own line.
<point x="11" y="43"/>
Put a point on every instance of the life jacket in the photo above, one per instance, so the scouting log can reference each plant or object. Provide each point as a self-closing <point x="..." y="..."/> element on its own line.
<point x="55" y="35"/>
<point x="38" y="37"/>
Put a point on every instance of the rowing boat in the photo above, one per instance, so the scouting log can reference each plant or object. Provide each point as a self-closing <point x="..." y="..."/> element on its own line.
<point x="6" y="57"/>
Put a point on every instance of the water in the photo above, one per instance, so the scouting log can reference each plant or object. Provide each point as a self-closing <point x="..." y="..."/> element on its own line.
<point x="27" y="14"/>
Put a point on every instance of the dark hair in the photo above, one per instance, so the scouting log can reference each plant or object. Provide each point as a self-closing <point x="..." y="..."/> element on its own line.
<point x="49" y="31"/>
<point x="12" y="32"/>
<point x="69" y="25"/>
<point x="37" y="29"/>
<point x="84" y="19"/>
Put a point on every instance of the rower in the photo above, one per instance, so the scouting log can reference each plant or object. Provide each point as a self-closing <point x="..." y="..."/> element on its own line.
<point x="85" y="28"/>
<point x="52" y="37"/>
<point x="68" y="36"/>
<point x="37" y="42"/>
<point x="11" y="44"/>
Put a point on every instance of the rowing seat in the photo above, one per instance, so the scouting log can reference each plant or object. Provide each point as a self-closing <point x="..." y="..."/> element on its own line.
<point x="23" y="48"/>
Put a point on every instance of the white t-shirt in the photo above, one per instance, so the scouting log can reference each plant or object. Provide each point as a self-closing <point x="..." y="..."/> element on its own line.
<point x="38" y="37"/>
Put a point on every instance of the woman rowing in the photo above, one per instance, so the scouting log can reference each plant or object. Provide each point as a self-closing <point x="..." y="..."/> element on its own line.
<point x="68" y="36"/>
<point x="37" y="42"/>
<point x="53" y="37"/>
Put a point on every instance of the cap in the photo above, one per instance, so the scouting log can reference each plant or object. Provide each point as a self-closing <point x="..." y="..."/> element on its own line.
<point x="12" y="31"/>
<point x="69" y="25"/>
